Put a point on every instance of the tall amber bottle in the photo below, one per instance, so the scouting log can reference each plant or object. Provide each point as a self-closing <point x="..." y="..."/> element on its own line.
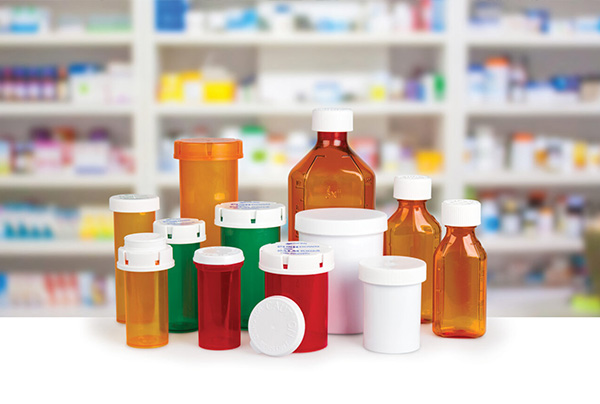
<point x="331" y="175"/>
<point x="459" y="299"/>
<point x="414" y="232"/>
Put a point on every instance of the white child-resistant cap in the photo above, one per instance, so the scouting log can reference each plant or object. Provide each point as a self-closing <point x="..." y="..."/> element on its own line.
<point x="181" y="231"/>
<point x="332" y="120"/>
<point x="276" y="326"/>
<point x="296" y="258"/>
<point x="341" y="222"/>
<point x="250" y="215"/>
<point x="412" y="187"/>
<point x="391" y="270"/>
<point x="133" y="203"/>
<point x="218" y="256"/>
<point x="461" y="213"/>
<point x="145" y="252"/>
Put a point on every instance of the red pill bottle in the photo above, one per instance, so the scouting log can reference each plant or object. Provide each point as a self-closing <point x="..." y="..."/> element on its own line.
<point x="219" y="306"/>
<point x="299" y="270"/>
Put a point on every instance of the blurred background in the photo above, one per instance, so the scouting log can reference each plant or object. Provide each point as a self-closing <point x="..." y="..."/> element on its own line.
<point x="497" y="100"/>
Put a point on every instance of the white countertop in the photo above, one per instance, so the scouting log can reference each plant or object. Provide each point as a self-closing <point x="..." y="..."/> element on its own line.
<point x="77" y="359"/>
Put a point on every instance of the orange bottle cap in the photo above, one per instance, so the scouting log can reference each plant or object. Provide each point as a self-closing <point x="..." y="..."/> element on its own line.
<point x="208" y="149"/>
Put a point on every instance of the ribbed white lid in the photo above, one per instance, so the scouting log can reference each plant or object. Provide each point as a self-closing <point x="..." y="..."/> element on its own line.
<point x="412" y="187"/>
<point x="461" y="213"/>
<point x="276" y="326"/>
<point x="181" y="231"/>
<point x="392" y="270"/>
<point x="145" y="252"/>
<point x="250" y="215"/>
<point x="332" y="120"/>
<point x="133" y="203"/>
<point x="296" y="258"/>
<point x="218" y="256"/>
<point x="341" y="222"/>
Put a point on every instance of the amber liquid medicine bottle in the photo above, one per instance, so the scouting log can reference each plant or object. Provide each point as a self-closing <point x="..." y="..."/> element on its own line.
<point x="331" y="175"/>
<point x="459" y="299"/>
<point x="414" y="232"/>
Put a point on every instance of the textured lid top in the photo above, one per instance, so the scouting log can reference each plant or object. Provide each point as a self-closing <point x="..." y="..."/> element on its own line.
<point x="133" y="203"/>
<point x="181" y="231"/>
<point x="332" y="120"/>
<point x="391" y="270"/>
<point x="341" y="222"/>
<point x="145" y="252"/>
<point x="218" y="256"/>
<point x="296" y="258"/>
<point x="208" y="149"/>
<point x="276" y="326"/>
<point x="461" y="213"/>
<point x="412" y="187"/>
<point x="250" y="215"/>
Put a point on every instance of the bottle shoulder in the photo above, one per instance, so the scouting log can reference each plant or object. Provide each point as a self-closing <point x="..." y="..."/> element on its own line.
<point x="467" y="245"/>
<point x="415" y="220"/>
<point x="331" y="159"/>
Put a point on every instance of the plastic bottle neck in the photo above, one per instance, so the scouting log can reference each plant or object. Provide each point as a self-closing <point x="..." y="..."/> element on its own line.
<point x="460" y="231"/>
<point x="332" y="139"/>
<point x="406" y="204"/>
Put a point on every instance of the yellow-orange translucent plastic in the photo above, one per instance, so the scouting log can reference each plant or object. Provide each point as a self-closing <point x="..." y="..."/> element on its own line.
<point x="147" y="307"/>
<point x="125" y="224"/>
<point x="208" y="176"/>
<point x="414" y="232"/>
<point x="459" y="299"/>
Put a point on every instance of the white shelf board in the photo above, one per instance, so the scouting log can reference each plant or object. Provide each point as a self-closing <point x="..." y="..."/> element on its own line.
<point x="300" y="39"/>
<point x="517" y="179"/>
<point x="63" y="248"/>
<point x="362" y="109"/>
<point x="508" y="40"/>
<point x="63" y="109"/>
<point x="549" y="110"/>
<point x="65" y="40"/>
<point x="66" y="181"/>
<point x="535" y="301"/>
<point x="78" y="311"/>
<point x="528" y="245"/>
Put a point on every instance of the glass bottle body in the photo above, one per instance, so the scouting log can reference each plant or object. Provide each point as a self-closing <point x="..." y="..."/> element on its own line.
<point x="460" y="279"/>
<point x="414" y="232"/>
<point x="331" y="175"/>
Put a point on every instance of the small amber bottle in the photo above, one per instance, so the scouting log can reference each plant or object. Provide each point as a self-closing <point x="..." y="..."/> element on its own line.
<point x="460" y="262"/>
<point x="331" y="175"/>
<point x="414" y="232"/>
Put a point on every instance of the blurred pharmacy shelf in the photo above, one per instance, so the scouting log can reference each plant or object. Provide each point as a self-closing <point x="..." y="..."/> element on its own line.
<point x="49" y="109"/>
<point x="530" y="302"/>
<point x="301" y="39"/>
<point x="67" y="181"/>
<point x="66" y="40"/>
<point x="531" y="245"/>
<point x="520" y="180"/>
<point x="536" y="41"/>
<point x="538" y="110"/>
<point x="236" y="110"/>
<point x="63" y="248"/>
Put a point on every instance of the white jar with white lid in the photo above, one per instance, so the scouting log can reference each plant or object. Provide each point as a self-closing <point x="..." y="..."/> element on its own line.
<point x="392" y="287"/>
<point x="354" y="234"/>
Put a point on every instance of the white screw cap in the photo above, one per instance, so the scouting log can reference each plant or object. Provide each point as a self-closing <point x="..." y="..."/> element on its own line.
<point x="412" y="187"/>
<point x="461" y="213"/>
<point x="181" y="231"/>
<point x="332" y="120"/>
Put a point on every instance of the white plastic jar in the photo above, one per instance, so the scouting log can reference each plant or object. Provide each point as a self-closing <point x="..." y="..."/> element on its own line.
<point x="392" y="287"/>
<point x="354" y="234"/>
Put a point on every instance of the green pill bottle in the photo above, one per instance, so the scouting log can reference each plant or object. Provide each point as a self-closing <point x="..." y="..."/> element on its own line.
<point x="249" y="226"/>
<point x="184" y="236"/>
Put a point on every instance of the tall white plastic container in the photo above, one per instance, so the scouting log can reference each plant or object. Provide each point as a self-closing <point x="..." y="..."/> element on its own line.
<point x="354" y="234"/>
<point x="392" y="286"/>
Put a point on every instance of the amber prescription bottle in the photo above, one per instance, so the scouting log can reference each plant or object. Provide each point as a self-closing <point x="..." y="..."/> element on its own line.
<point x="132" y="214"/>
<point x="208" y="176"/>
<point x="414" y="232"/>
<point x="331" y="175"/>
<point x="145" y="259"/>
<point x="460" y="265"/>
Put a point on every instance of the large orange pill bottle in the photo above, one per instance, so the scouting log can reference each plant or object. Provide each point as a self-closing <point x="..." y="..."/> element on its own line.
<point x="459" y="300"/>
<point x="414" y="232"/>
<point x="145" y="259"/>
<point x="132" y="214"/>
<point x="208" y="176"/>
<point x="331" y="175"/>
